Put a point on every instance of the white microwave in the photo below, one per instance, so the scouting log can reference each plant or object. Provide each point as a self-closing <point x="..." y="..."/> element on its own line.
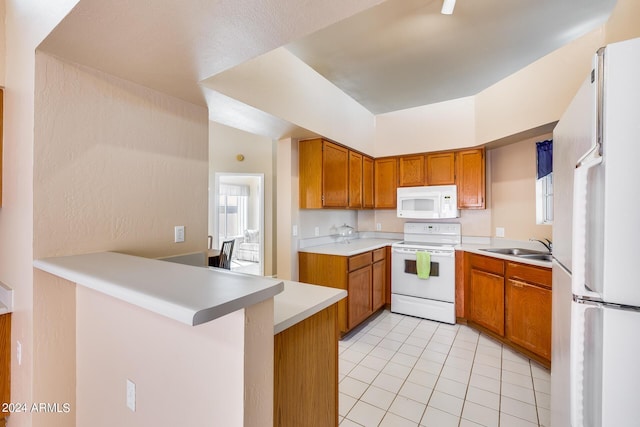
<point x="430" y="202"/>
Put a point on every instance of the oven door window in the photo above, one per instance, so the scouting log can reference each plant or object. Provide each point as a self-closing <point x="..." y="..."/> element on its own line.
<point x="411" y="268"/>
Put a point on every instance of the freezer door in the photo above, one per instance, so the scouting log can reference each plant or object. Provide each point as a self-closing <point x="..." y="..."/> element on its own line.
<point x="573" y="136"/>
<point x="621" y="156"/>
<point x="604" y="369"/>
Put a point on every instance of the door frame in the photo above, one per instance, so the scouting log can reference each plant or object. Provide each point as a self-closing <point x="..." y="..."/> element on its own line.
<point x="216" y="204"/>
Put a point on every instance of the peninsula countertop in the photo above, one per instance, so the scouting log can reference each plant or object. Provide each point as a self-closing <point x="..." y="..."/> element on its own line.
<point x="191" y="295"/>
<point x="300" y="301"/>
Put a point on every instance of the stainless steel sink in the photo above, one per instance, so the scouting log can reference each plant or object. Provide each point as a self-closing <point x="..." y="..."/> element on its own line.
<point x="514" y="251"/>
<point x="522" y="253"/>
<point x="539" y="257"/>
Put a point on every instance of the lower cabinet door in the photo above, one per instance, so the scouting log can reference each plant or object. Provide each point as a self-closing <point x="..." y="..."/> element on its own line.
<point x="359" y="299"/>
<point x="487" y="300"/>
<point x="529" y="317"/>
<point x="378" y="285"/>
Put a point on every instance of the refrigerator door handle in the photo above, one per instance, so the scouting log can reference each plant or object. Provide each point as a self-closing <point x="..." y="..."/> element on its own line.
<point x="580" y="211"/>
<point x="586" y="364"/>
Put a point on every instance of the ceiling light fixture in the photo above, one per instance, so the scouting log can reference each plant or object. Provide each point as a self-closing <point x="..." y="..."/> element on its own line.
<point x="447" y="7"/>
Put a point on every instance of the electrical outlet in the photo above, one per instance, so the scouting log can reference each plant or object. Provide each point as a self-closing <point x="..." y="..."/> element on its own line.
<point x="317" y="231"/>
<point x="19" y="352"/>
<point x="499" y="231"/>
<point x="378" y="227"/>
<point x="131" y="395"/>
<point x="295" y="230"/>
<point x="178" y="234"/>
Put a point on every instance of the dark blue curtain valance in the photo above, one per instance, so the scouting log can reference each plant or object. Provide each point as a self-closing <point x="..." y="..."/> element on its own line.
<point x="545" y="157"/>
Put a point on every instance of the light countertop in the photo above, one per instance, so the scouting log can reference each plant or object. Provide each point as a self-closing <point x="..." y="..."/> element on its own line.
<point x="354" y="247"/>
<point x="191" y="295"/>
<point x="477" y="249"/>
<point x="299" y="301"/>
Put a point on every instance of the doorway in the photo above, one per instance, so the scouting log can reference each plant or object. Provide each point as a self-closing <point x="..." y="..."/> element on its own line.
<point x="238" y="214"/>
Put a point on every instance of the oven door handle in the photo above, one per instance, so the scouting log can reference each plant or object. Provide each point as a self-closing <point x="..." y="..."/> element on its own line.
<point x="433" y="253"/>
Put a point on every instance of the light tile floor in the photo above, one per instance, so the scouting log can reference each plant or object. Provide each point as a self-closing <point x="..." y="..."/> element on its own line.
<point x="398" y="371"/>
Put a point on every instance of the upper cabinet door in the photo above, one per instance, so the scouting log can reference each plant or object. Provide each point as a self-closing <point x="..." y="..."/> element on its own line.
<point x="386" y="182"/>
<point x="335" y="175"/>
<point x="355" y="180"/>
<point x="441" y="168"/>
<point x="412" y="171"/>
<point x="367" y="183"/>
<point x="470" y="179"/>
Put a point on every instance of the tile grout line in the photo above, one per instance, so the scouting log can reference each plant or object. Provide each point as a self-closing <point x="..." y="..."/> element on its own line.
<point x="387" y="326"/>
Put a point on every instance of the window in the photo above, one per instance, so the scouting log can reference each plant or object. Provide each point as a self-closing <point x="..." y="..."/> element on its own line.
<point x="544" y="182"/>
<point x="232" y="210"/>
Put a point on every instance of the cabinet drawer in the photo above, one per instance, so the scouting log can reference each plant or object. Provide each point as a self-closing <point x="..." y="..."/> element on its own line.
<point x="485" y="263"/>
<point x="359" y="261"/>
<point x="379" y="254"/>
<point x="536" y="275"/>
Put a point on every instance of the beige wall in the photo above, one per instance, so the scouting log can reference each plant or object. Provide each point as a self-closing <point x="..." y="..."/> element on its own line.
<point x="513" y="190"/>
<point x="225" y="143"/>
<point x="434" y="127"/>
<point x="287" y="210"/>
<point x="184" y="375"/>
<point x="623" y="23"/>
<point x="26" y="23"/>
<point x="281" y="84"/>
<point x="116" y="167"/>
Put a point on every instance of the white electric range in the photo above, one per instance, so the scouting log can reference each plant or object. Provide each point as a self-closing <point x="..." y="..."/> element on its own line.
<point x="432" y="298"/>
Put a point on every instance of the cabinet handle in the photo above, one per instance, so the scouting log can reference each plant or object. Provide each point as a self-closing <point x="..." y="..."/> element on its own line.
<point x="518" y="284"/>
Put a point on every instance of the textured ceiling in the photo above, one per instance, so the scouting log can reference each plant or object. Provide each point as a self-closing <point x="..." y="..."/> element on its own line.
<point x="387" y="55"/>
<point x="405" y="53"/>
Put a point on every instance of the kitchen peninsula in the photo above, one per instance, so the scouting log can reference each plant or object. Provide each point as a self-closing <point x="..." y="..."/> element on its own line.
<point x="215" y="319"/>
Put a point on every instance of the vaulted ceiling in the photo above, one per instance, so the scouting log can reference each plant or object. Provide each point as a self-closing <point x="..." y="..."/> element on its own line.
<point x="387" y="55"/>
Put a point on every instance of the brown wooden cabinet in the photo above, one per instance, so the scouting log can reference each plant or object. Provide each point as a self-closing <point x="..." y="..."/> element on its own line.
<point x="355" y="180"/>
<point x="363" y="276"/>
<point x="359" y="287"/>
<point x="5" y="363"/>
<point x="306" y="372"/>
<point x="470" y="179"/>
<point x="486" y="293"/>
<point x="510" y="300"/>
<point x="528" y="308"/>
<point x="441" y="168"/>
<point x="368" y="201"/>
<point x="378" y="279"/>
<point x="332" y="176"/>
<point x="412" y="171"/>
<point x="385" y="182"/>
<point x="335" y="175"/>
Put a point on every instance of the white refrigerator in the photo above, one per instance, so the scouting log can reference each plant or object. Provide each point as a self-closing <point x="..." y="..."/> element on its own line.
<point x="595" y="366"/>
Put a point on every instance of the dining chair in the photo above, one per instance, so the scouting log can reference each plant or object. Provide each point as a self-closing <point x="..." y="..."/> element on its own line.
<point x="224" y="261"/>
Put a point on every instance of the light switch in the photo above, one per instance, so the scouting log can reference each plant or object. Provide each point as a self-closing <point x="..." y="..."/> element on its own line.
<point x="131" y="395"/>
<point x="178" y="234"/>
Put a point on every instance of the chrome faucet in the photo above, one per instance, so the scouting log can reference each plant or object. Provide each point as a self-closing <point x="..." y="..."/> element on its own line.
<point x="546" y="244"/>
